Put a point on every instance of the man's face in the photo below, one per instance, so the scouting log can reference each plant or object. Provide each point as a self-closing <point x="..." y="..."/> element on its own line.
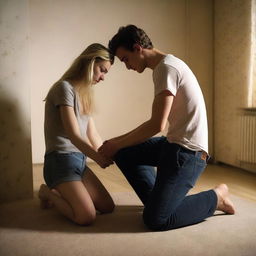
<point x="132" y="59"/>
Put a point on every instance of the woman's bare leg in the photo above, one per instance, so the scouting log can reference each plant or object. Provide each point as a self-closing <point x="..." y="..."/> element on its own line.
<point x="75" y="202"/>
<point x="102" y="200"/>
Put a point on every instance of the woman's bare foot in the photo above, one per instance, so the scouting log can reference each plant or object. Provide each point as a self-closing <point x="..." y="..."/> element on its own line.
<point x="45" y="203"/>
<point x="224" y="203"/>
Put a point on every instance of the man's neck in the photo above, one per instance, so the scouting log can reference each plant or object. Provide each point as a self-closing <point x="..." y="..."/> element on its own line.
<point x="153" y="57"/>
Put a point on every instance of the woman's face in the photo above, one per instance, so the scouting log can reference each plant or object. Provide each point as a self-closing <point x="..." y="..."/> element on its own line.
<point x="100" y="69"/>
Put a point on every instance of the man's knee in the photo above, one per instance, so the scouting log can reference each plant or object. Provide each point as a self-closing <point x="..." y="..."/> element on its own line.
<point x="154" y="222"/>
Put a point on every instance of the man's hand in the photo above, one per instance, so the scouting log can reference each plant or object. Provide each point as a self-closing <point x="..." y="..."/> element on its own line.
<point x="102" y="160"/>
<point x="109" y="148"/>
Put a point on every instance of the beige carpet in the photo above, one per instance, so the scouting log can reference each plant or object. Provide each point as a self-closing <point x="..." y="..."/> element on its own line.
<point x="27" y="230"/>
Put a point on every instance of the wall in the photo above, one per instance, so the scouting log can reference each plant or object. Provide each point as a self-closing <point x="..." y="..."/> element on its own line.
<point x="60" y="30"/>
<point x="15" y="138"/>
<point x="252" y="97"/>
<point x="199" y="52"/>
<point x="232" y="74"/>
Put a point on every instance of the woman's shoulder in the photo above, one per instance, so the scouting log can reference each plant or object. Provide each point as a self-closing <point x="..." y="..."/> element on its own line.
<point x="61" y="86"/>
<point x="60" y="89"/>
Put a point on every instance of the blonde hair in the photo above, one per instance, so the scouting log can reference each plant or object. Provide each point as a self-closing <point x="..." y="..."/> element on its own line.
<point x="82" y="70"/>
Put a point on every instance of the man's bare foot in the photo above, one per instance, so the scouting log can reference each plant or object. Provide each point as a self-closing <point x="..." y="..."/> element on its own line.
<point x="224" y="203"/>
<point x="45" y="203"/>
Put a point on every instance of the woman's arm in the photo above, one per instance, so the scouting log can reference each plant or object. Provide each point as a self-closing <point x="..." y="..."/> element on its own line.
<point x="93" y="135"/>
<point x="160" y="111"/>
<point x="71" y="127"/>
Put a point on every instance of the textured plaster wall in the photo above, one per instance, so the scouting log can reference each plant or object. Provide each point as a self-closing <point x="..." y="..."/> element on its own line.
<point x="15" y="137"/>
<point x="233" y="44"/>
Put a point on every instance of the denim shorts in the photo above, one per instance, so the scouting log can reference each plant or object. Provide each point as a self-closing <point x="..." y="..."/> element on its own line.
<point x="63" y="167"/>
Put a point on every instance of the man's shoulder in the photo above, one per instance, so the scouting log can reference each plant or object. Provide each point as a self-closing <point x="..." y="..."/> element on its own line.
<point x="168" y="65"/>
<point x="172" y="60"/>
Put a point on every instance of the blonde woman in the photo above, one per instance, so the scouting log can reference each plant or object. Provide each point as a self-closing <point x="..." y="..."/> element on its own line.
<point x="71" y="136"/>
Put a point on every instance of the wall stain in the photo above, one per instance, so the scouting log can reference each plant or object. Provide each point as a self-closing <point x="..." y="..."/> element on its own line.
<point x="5" y="53"/>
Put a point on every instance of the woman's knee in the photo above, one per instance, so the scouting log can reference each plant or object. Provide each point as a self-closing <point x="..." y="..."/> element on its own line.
<point x="86" y="218"/>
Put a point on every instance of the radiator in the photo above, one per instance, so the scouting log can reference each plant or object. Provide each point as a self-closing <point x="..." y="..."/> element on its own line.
<point x="247" y="154"/>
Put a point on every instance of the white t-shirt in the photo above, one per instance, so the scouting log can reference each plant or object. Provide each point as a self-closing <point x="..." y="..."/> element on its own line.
<point x="187" y="118"/>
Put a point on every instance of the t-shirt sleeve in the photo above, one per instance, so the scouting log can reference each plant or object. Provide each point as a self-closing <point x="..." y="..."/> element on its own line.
<point x="63" y="94"/>
<point x="166" y="77"/>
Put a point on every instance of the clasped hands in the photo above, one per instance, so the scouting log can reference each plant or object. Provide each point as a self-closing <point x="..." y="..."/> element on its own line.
<point x="107" y="151"/>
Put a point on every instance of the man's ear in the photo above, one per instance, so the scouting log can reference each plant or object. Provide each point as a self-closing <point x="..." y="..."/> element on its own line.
<point x="137" y="47"/>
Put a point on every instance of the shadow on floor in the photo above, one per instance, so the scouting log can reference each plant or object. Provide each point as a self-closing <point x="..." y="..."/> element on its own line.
<point x="27" y="214"/>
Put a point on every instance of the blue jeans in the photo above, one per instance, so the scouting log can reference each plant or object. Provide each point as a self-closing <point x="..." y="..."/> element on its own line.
<point x="164" y="193"/>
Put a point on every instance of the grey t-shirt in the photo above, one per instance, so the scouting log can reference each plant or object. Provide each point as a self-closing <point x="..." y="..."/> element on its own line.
<point x="56" y="139"/>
